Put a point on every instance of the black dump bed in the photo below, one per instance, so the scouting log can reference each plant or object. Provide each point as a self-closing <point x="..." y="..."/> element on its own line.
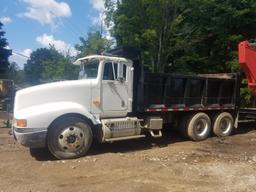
<point x="180" y="91"/>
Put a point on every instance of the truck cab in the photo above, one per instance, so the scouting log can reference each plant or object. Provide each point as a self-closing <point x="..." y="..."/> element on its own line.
<point x="104" y="89"/>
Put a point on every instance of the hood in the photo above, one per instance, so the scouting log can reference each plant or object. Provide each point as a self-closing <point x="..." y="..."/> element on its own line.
<point x="77" y="91"/>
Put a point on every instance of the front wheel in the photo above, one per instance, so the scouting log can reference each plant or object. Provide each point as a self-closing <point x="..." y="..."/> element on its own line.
<point x="69" y="138"/>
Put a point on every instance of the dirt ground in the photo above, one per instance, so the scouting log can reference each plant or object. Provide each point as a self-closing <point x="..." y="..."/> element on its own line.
<point x="145" y="165"/>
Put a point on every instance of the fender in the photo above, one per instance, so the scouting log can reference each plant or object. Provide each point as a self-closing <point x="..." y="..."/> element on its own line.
<point x="41" y="116"/>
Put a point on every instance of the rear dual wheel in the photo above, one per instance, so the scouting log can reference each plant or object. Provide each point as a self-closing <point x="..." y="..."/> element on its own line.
<point x="198" y="127"/>
<point x="223" y="124"/>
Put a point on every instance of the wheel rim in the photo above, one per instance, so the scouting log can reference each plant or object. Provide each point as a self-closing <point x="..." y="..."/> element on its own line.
<point x="201" y="127"/>
<point x="71" y="139"/>
<point x="225" y="125"/>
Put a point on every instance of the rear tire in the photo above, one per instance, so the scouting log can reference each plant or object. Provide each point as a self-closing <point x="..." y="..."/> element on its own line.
<point x="69" y="138"/>
<point x="223" y="124"/>
<point x="198" y="126"/>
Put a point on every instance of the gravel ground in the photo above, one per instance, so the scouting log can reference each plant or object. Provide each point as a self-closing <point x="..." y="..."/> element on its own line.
<point x="145" y="165"/>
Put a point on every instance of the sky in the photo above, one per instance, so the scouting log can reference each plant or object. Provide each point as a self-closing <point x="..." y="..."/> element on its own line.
<point x="32" y="24"/>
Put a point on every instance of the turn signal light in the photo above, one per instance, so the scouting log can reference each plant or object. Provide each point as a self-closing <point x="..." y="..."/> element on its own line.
<point x="21" y="123"/>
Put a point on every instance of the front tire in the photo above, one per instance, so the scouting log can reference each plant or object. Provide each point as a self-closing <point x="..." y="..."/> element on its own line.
<point x="69" y="138"/>
<point x="223" y="124"/>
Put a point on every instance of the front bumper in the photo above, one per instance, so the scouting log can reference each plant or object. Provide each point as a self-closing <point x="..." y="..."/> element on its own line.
<point x="31" y="137"/>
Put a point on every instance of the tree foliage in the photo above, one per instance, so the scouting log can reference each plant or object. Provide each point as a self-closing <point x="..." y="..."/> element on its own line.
<point x="94" y="44"/>
<point x="47" y="65"/>
<point x="4" y="54"/>
<point x="15" y="73"/>
<point x="194" y="36"/>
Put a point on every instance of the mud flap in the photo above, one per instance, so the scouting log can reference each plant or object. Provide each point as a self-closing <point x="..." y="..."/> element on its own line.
<point x="236" y="121"/>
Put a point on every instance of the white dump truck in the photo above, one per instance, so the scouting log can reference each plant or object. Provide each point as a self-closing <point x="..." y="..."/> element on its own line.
<point x="115" y="99"/>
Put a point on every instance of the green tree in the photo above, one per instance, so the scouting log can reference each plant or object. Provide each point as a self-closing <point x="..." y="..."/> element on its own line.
<point x="193" y="36"/>
<point x="94" y="44"/>
<point x="4" y="54"/>
<point x="47" y="65"/>
<point x="210" y="33"/>
<point x="15" y="73"/>
<point x="147" y="25"/>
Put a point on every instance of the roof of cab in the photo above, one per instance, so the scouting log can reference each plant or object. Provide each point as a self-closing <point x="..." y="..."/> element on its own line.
<point x="78" y="61"/>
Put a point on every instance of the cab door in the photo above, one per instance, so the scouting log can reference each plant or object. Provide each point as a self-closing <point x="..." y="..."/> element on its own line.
<point x="114" y="89"/>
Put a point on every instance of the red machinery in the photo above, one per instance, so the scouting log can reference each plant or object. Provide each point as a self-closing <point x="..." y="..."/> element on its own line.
<point x="247" y="60"/>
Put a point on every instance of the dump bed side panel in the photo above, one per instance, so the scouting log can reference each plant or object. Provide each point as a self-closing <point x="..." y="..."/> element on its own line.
<point x="169" y="91"/>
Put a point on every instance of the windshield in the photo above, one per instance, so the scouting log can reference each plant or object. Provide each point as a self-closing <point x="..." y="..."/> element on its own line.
<point x="89" y="69"/>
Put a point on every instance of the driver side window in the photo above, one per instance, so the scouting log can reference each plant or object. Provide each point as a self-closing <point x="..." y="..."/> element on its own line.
<point x="110" y="71"/>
